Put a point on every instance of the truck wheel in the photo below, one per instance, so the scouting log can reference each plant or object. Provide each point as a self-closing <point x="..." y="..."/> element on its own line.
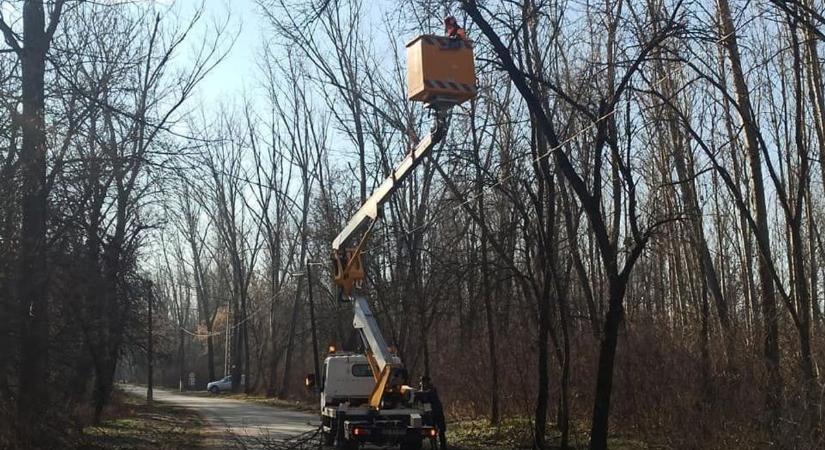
<point x="414" y="445"/>
<point x="337" y="434"/>
<point x="341" y="442"/>
<point x="329" y="437"/>
<point x="345" y="444"/>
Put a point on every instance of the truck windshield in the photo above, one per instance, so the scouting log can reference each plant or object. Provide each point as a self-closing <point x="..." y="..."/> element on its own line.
<point x="361" y="370"/>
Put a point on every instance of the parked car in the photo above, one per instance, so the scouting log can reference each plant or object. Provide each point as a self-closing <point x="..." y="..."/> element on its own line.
<point x="224" y="384"/>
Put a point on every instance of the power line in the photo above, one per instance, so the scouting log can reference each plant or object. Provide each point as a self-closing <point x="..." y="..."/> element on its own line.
<point x="471" y="197"/>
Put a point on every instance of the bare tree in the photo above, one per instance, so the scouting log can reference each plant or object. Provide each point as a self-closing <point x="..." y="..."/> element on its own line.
<point x="239" y="243"/>
<point x="32" y="275"/>
<point x="605" y="227"/>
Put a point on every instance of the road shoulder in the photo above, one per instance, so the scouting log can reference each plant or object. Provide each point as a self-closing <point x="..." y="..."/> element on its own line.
<point x="241" y="423"/>
<point x="130" y="424"/>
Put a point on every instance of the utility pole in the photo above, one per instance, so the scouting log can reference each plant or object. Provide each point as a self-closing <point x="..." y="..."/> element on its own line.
<point x="227" y="352"/>
<point x="312" y="323"/>
<point x="149" y="351"/>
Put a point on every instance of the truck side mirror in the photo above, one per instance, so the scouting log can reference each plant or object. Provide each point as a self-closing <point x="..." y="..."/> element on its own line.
<point x="309" y="381"/>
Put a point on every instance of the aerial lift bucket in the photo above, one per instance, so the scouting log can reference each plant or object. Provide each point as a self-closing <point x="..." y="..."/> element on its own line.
<point x="440" y="70"/>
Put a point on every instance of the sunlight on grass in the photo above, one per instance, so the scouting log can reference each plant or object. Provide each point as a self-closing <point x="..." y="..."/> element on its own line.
<point x="130" y="424"/>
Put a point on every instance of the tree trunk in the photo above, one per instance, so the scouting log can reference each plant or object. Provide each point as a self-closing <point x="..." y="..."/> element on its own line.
<point x="807" y="362"/>
<point x="771" y="353"/>
<point x="704" y="344"/>
<point x="290" y="343"/>
<point x="245" y="336"/>
<point x="104" y="373"/>
<point x="210" y="353"/>
<point x="271" y="390"/>
<point x="578" y="264"/>
<point x="800" y="274"/>
<point x="687" y="176"/>
<point x="181" y="360"/>
<point x="815" y="82"/>
<point x="150" y="355"/>
<point x="495" y="416"/>
<point x="543" y="393"/>
<point x="564" y="400"/>
<point x="607" y="356"/>
<point x="812" y="248"/>
<point x="486" y="289"/>
<point x="33" y="398"/>
<point x="237" y="346"/>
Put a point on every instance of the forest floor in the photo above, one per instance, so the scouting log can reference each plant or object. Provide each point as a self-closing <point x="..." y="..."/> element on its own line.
<point x="130" y="424"/>
<point x="517" y="433"/>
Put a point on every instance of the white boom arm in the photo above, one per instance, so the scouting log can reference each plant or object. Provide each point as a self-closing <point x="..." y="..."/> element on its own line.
<point x="388" y="373"/>
<point x="364" y="321"/>
<point x="371" y="208"/>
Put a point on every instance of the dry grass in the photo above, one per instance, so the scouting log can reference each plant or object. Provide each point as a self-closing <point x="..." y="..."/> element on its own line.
<point x="516" y="433"/>
<point x="131" y="424"/>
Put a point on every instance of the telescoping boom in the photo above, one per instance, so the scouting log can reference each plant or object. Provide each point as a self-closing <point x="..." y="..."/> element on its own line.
<point x="349" y="272"/>
<point x="441" y="74"/>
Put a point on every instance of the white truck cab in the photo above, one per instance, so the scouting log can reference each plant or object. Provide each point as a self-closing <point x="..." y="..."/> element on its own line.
<point x="347" y="418"/>
<point x="346" y="378"/>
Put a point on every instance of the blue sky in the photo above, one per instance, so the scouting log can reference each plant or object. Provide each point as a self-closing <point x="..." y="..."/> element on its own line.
<point x="237" y="73"/>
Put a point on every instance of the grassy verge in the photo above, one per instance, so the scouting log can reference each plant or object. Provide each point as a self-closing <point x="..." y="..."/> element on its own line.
<point x="517" y="433"/>
<point x="311" y="408"/>
<point x="130" y="424"/>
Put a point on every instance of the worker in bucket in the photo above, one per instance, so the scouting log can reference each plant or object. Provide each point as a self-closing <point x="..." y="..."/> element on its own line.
<point x="453" y="30"/>
<point x="429" y="394"/>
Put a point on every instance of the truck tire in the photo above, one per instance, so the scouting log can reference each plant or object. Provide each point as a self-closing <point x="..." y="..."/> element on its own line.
<point x="329" y="437"/>
<point x="414" y="445"/>
<point x="341" y="442"/>
<point x="346" y="444"/>
<point x="338" y="431"/>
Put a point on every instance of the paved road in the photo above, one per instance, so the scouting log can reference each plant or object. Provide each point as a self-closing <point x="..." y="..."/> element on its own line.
<point x="247" y="422"/>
